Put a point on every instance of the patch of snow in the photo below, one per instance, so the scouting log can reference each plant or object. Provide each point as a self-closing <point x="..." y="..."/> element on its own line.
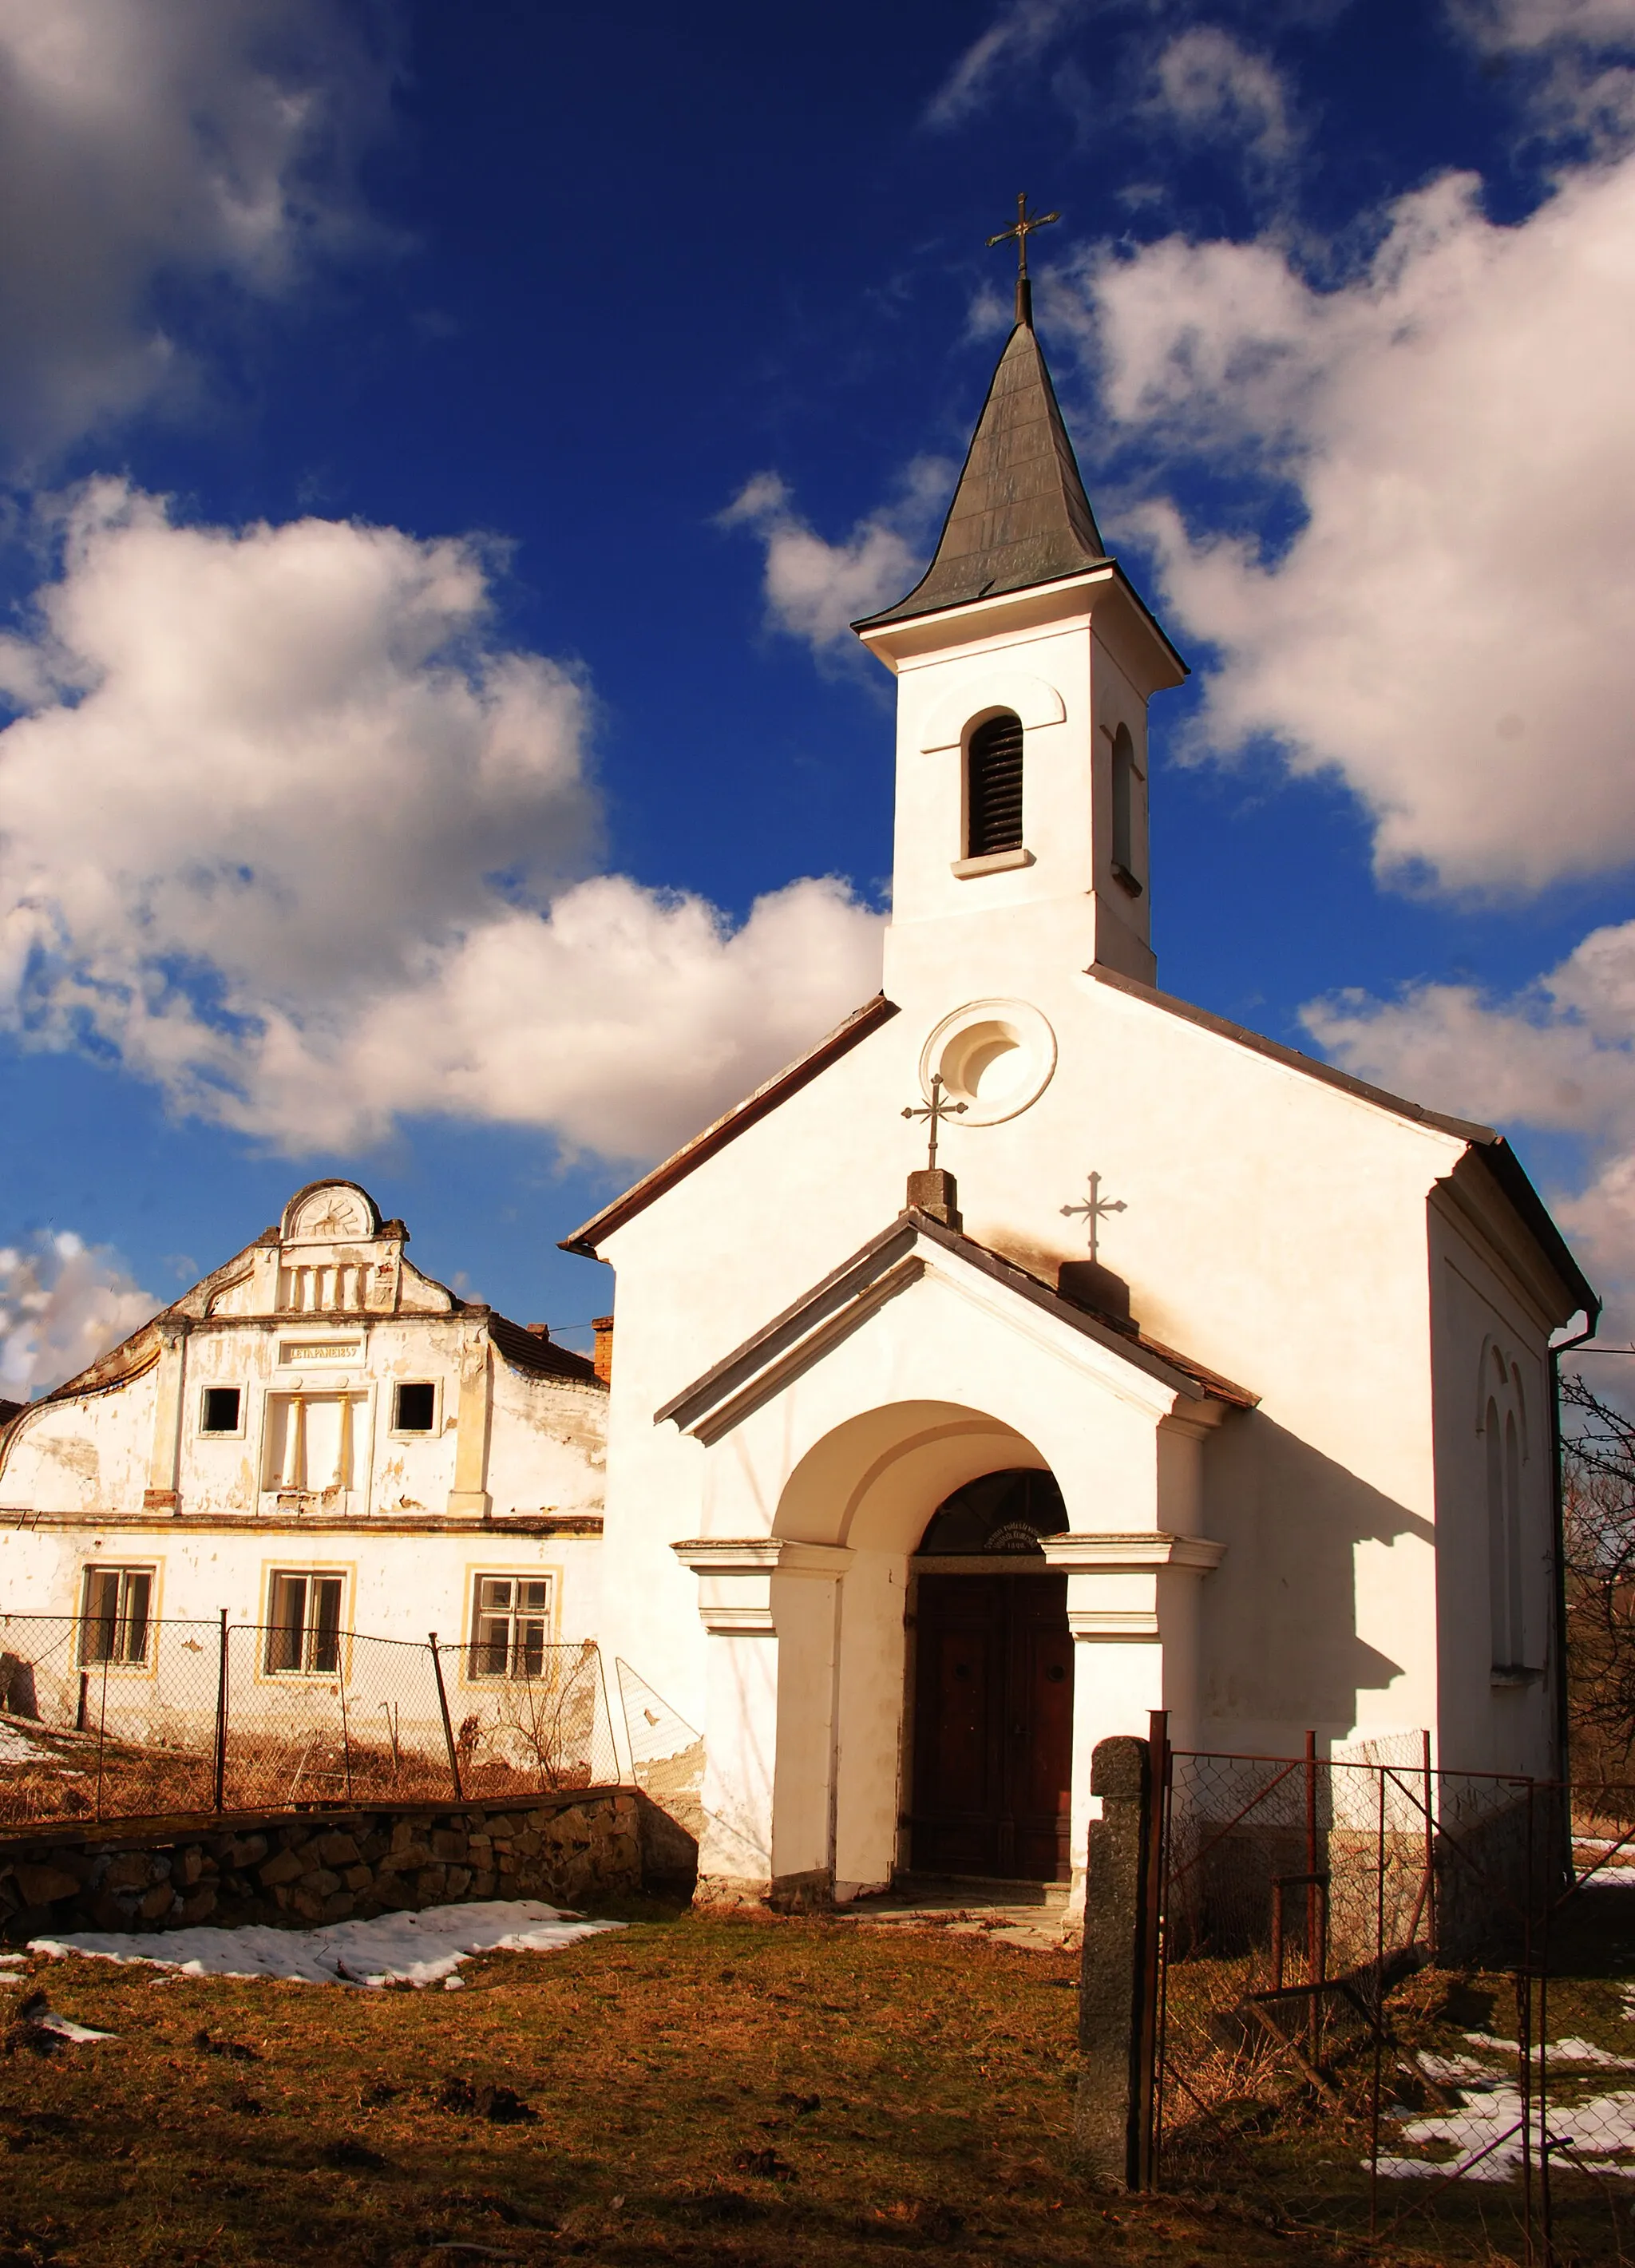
<point x="1567" y="2050"/>
<point x="20" y="1747"/>
<point x="1486" y="2134"/>
<point x="1584" y="2051"/>
<point x="66" y="2028"/>
<point x="1447" y="2069"/>
<point x="413" y="1948"/>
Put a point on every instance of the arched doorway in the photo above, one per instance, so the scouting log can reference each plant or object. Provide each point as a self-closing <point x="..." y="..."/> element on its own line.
<point x="993" y="1685"/>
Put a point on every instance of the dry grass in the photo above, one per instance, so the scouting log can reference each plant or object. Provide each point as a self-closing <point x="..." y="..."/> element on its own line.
<point x="704" y="2091"/>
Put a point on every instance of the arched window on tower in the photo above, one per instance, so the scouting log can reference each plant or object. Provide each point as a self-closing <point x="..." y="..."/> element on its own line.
<point x="993" y="786"/>
<point x="1126" y="812"/>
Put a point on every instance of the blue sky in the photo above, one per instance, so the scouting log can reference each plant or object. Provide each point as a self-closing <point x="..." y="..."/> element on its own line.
<point x="443" y="447"/>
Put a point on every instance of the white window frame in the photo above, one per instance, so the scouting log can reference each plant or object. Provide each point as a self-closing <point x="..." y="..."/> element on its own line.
<point x="223" y="1432"/>
<point x="397" y="1432"/>
<point x="310" y="1634"/>
<point x="123" y="1572"/>
<point x="511" y="1614"/>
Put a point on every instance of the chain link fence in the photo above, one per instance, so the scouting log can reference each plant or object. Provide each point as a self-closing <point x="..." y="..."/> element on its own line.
<point x="120" y="1717"/>
<point x="1385" y="2002"/>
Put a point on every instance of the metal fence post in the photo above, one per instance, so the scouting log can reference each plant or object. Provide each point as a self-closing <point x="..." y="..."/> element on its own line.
<point x="448" y="1729"/>
<point x="221" y="1717"/>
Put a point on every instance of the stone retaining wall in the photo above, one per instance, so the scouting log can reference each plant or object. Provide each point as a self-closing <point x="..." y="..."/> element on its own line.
<point x="298" y="1869"/>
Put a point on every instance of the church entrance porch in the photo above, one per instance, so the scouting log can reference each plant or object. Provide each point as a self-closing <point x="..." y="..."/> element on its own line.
<point x="992" y="1687"/>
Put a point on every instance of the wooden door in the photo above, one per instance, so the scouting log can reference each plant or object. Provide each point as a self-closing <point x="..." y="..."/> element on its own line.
<point x="993" y="1726"/>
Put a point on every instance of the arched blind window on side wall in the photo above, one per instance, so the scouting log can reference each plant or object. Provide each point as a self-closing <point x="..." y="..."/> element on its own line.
<point x="993" y="787"/>
<point x="1124" y="792"/>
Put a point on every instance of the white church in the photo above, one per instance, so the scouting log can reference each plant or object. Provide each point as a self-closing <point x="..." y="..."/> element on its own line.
<point x="1037" y="1352"/>
<point x="1187" y="1373"/>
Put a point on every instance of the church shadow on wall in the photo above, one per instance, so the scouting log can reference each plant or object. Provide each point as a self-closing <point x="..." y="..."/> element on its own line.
<point x="1280" y="1642"/>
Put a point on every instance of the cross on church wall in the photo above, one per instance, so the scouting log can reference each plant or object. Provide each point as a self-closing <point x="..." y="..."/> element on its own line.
<point x="1095" y="1210"/>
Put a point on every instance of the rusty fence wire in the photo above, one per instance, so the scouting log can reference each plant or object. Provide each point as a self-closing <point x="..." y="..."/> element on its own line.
<point x="104" y="1719"/>
<point x="1387" y="2005"/>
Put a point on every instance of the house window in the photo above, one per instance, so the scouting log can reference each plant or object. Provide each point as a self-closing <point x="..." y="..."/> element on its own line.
<point x="1126" y="792"/>
<point x="115" y="1627"/>
<point x="414" y="1408"/>
<point x="510" y="1625"/>
<point x="221" y="1410"/>
<point x="304" y="1634"/>
<point x="993" y="786"/>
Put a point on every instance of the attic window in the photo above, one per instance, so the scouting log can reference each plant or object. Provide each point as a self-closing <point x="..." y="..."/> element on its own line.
<point x="221" y="1410"/>
<point x="993" y="786"/>
<point x="416" y="1412"/>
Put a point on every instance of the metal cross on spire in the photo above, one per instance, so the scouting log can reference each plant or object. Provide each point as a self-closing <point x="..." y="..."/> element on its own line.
<point x="934" y="1112"/>
<point x="1095" y="1210"/>
<point x="1021" y="228"/>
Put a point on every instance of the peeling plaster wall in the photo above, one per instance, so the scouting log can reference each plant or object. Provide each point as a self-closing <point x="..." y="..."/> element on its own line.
<point x="127" y="1473"/>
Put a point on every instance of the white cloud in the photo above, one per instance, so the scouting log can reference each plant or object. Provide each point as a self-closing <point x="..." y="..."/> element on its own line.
<point x="1559" y="1057"/>
<point x="1524" y="26"/>
<point x="62" y="1303"/>
<point x="292" y="833"/>
<point x="1021" y="32"/>
<point x="816" y="590"/>
<point x="1448" y="631"/>
<point x="152" y="146"/>
<point x="1213" y="88"/>
<point x="1576" y="85"/>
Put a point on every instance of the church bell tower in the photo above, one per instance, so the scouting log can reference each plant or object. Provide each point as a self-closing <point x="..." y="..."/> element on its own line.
<point x="1025" y="660"/>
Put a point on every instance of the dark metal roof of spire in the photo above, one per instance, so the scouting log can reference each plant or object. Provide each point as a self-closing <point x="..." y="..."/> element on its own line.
<point x="1020" y="515"/>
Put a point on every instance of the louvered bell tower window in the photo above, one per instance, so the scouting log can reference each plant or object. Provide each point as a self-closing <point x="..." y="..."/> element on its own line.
<point x="993" y="800"/>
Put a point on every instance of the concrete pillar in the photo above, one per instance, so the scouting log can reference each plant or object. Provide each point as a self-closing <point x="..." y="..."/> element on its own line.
<point x="1111" y="2111"/>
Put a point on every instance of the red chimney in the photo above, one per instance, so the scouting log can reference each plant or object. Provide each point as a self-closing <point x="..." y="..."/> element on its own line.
<point x="602" y="1326"/>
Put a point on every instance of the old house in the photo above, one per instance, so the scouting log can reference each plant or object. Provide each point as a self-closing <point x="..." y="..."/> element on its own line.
<point x="315" y="1439"/>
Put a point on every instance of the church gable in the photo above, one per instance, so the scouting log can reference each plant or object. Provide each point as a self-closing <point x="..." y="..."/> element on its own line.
<point x="913" y="1248"/>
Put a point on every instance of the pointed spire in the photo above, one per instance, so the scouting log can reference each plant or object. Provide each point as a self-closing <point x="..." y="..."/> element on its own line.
<point x="1020" y="515"/>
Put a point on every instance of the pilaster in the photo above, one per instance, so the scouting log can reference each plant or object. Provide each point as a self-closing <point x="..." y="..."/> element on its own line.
<point x="772" y="1608"/>
<point x="162" y="1492"/>
<point x="470" y="1496"/>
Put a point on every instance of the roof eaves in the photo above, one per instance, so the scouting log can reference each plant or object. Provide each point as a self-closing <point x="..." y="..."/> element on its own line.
<point x="526" y="1349"/>
<point x="1097" y="571"/>
<point x="765" y="1099"/>
<point x="1511" y="1175"/>
<point x="1467" y="1129"/>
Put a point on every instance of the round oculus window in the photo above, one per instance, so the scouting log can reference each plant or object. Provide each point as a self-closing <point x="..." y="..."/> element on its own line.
<point x="995" y="1057"/>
